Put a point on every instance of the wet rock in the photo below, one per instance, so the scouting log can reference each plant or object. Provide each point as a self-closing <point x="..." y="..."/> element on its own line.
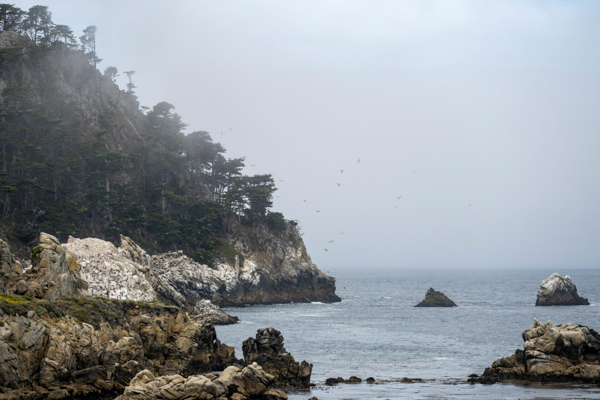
<point x="567" y="352"/>
<point x="436" y="299"/>
<point x="267" y="350"/>
<point x="351" y="380"/>
<point x="559" y="290"/>
<point x="370" y="380"/>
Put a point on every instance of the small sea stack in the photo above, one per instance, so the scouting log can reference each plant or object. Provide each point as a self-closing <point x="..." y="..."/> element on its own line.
<point x="436" y="299"/>
<point x="559" y="290"/>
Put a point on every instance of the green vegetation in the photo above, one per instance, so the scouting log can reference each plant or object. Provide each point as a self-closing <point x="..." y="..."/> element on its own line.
<point x="165" y="189"/>
<point x="91" y="310"/>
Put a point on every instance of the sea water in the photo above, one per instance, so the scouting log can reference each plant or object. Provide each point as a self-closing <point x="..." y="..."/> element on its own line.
<point x="377" y="332"/>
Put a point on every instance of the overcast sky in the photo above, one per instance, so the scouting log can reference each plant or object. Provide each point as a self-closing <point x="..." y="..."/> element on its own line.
<point x="484" y="117"/>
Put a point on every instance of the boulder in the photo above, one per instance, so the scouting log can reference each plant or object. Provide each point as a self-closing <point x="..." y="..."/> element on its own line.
<point x="567" y="352"/>
<point x="436" y="299"/>
<point x="213" y="314"/>
<point x="234" y="383"/>
<point x="559" y="290"/>
<point x="267" y="350"/>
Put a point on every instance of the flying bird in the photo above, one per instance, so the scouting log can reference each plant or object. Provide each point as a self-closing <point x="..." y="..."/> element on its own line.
<point x="326" y="250"/>
<point x="230" y="128"/>
<point x="358" y="161"/>
<point x="253" y="165"/>
<point x="318" y="210"/>
<point x="338" y="184"/>
<point x="342" y="233"/>
<point x="222" y="133"/>
<point x="399" y="197"/>
<point x="281" y="180"/>
<point x="342" y="171"/>
<point x="304" y="201"/>
<point x="330" y="241"/>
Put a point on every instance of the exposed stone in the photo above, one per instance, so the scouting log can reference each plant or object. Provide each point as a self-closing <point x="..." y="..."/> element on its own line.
<point x="567" y="352"/>
<point x="436" y="299"/>
<point x="267" y="350"/>
<point x="212" y="313"/>
<point x="53" y="353"/>
<point x="9" y="266"/>
<point x="234" y="383"/>
<point x="557" y="290"/>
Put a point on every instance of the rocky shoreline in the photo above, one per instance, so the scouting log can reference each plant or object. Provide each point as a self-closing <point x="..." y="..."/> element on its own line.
<point x="563" y="353"/>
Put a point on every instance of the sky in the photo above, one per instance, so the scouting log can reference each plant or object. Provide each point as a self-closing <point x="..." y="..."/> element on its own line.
<point x="483" y="116"/>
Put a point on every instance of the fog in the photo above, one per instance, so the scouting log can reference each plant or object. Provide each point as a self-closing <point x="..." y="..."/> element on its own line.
<point x="483" y="116"/>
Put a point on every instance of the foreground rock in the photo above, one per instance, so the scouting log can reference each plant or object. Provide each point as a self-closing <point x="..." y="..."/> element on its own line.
<point x="562" y="353"/>
<point x="267" y="351"/>
<point x="252" y="382"/>
<point x="436" y="299"/>
<point x="81" y="346"/>
<point x="558" y="290"/>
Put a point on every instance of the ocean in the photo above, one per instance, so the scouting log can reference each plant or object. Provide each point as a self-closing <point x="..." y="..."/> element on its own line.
<point x="377" y="332"/>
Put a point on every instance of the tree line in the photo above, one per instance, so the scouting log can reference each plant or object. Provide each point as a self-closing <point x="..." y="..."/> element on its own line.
<point x="174" y="191"/>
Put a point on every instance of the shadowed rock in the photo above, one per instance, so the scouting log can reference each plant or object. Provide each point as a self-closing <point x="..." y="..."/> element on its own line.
<point x="436" y="299"/>
<point x="557" y="290"/>
<point x="267" y="350"/>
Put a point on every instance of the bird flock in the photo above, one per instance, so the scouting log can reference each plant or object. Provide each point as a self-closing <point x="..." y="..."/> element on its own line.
<point x="338" y="185"/>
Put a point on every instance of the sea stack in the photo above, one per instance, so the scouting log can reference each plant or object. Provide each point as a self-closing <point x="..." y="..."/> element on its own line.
<point x="557" y="290"/>
<point x="436" y="299"/>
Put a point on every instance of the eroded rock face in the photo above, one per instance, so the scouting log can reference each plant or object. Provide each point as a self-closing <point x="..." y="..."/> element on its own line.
<point x="559" y="290"/>
<point x="567" y="352"/>
<point x="112" y="273"/>
<point x="267" y="350"/>
<point x="436" y="299"/>
<point x="54" y="274"/>
<point x="52" y="355"/>
<point x="234" y="383"/>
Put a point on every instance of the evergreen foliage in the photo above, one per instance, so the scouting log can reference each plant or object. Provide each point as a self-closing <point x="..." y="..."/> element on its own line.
<point x="171" y="192"/>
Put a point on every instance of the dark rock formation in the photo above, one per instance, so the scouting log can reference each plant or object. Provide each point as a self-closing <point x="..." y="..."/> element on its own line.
<point x="267" y="350"/>
<point x="351" y="380"/>
<point x="82" y="346"/>
<point x="557" y="290"/>
<point x="562" y="353"/>
<point x="436" y="299"/>
<point x="234" y="383"/>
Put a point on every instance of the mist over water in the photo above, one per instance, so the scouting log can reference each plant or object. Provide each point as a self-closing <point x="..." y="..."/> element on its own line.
<point x="376" y="331"/>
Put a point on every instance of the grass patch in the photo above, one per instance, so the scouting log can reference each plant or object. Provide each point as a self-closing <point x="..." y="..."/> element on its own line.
<point x="227" y="252"/>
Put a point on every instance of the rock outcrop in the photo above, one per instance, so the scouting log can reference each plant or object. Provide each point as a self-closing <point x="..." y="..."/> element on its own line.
<point x="267" y="351"/>
<point x="213" y="314"/>
<point x="273" y="275"/>
<point x="558" y="290"/>
<point x="251" y="382"/>
<point x="54" y="274"/>
<point x="436" y="299"/>
<point x="79" y="346"/>
<point x="567" y="352"/>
